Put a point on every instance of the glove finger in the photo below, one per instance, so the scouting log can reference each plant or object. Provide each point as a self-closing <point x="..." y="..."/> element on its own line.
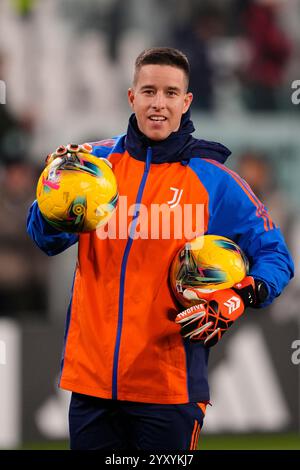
<point x="60" y="151"/>
<point x="188" y="328"/>
<point x="213" y="338"/>
<point x="50" y="157"/>
<point x="192" y="325"/>
<point x="199" y="331"/>
<point x="85" y="148"/>
<point x="73" y="148"/>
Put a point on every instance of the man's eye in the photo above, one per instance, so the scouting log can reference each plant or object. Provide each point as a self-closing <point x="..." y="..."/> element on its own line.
<point x="171" y="93"/>
<point x="148" y="92"/>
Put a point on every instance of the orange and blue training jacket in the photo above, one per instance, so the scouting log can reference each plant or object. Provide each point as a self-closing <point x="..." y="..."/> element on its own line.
<point x="121" y="341"/>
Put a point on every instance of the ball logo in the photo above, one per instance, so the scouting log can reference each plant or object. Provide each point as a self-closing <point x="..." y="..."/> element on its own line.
<point x="232" y="304"/>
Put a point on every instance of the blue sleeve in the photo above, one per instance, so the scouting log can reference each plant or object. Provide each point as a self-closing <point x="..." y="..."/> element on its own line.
<point x="104" y="148"/>
<point x="48" y="239"/>
<point x="236" y="213"/>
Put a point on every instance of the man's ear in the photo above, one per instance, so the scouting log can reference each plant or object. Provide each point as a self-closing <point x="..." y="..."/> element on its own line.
<point x="187" y="101"/>
<point x="130" y="95"/>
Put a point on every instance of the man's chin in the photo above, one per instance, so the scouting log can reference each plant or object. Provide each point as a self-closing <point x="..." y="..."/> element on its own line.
<point x="157" y="136"/>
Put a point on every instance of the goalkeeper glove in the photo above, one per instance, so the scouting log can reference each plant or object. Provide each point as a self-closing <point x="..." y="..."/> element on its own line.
<point x="71" y="153"/>
<point x="218" y="310"/>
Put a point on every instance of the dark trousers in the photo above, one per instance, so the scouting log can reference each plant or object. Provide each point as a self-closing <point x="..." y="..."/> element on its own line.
<point x="101" y="424"/>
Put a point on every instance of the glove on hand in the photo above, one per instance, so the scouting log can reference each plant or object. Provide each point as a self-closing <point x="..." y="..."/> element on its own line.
<point x="71" y="152"/>
<point x="217" y="311"/>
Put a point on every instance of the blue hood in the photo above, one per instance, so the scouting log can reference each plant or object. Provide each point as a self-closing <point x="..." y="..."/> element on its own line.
<point x="180" y="146"/>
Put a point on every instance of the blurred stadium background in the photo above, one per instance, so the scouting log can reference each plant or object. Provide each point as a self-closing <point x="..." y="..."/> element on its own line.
<point x="65" y="66"/>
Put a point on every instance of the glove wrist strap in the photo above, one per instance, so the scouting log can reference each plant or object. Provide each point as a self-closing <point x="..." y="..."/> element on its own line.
<point x="252" y="291"/>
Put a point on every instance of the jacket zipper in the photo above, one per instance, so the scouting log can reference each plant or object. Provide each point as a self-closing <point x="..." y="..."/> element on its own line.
<point x="123" y="274"/>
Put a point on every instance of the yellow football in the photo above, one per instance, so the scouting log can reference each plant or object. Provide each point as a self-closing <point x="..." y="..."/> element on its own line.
<point x="205" y="264"/>
<point x="77" y="193"/>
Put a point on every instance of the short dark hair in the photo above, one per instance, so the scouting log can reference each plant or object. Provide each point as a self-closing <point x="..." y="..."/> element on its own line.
<point x="162" y="56"/>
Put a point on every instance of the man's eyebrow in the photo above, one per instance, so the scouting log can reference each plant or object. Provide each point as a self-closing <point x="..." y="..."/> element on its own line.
<point x="173" y="88"/>
<point x="147" y="86"/>
<point x="169" y="88"/>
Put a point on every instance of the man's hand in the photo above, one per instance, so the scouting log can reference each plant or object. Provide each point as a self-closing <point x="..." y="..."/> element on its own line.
<point x="209" y="320"/>
<point x="68" y="151"/>
<point x="71" y="154"/>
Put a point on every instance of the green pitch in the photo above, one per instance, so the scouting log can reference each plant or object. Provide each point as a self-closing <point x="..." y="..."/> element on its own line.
<point x="250" y="442"/>
<point x="210" y="442"/>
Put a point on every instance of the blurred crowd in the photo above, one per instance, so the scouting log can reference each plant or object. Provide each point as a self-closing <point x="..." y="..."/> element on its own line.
<point x="67" y="65"/>
<point x="64" y="59"/>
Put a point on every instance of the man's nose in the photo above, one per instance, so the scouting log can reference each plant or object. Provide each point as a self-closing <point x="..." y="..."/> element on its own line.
<point x="159" y="101"/>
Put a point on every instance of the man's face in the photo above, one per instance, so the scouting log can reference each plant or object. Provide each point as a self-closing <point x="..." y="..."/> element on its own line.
<point x="159" y="98"/>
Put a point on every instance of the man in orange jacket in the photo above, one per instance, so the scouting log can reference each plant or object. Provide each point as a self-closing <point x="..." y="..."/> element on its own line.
<point x="137" y="382"/>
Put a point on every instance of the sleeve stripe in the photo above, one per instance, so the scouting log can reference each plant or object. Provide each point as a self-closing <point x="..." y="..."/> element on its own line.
<point x="104" y="143"/>
<point x="260" y="204"/>
<point x="261" y="211"/>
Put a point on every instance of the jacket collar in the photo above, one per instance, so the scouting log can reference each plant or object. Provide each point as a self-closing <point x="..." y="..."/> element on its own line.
<point x="180" y="146"/>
